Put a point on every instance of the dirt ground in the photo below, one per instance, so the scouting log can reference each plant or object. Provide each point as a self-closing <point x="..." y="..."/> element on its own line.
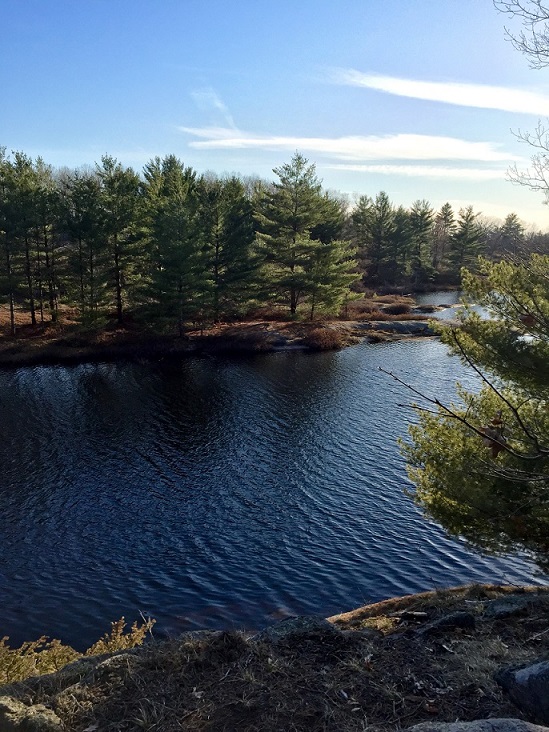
<point x="390" y="667"/>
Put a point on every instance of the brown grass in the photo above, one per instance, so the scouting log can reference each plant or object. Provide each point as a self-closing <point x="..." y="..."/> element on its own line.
<point x="45" y="656"/>
<point x="321" y="338"/>
<point x="384" y="678"/>
<point x="69" y="342"/>
<point x="397" y="308"/>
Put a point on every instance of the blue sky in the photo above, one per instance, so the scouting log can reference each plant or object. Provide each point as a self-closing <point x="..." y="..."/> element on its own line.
<point x="419" y="99"/>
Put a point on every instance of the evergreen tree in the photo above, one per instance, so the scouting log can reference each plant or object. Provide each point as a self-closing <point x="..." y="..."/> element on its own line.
<point x="481" y="467"/>
<point x="23" y="212"/>
<point x="227" y="225"/>
<point x="9" y="276"/>
<point x="331" y="226"/>
<point x="421" y="236"/>
<point x="120" y="200"/>
<point x="49" y="263"/>
<point x="443" y="230"/>
<point x="396" y="266"/>
<point x="512" y="236"/>
<point x="332" y="270"/>
<point x="465" y="243"/>
<point x="361" y="219"/>
<point x="180" y="288"/>
<point x="287" y="213"/>
<point x="87" y="267"/>
<point x="375" y="228"/>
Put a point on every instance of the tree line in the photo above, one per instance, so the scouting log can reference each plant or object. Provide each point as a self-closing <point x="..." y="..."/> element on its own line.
<point x="174" y="247"/>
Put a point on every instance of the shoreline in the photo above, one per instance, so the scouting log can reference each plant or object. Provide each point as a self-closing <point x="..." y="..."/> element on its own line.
<point x="240" y="339"/>
<point x="430" y="657"/>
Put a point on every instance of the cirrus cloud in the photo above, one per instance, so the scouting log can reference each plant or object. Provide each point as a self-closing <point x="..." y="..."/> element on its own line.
<point x="355" y="148"/>
<point x="425" y="171"/>
<point x="483" y="96"/>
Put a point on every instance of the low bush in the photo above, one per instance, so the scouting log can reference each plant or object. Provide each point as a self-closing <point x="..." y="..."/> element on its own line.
<point x="44" y="656"/>
<point x="323" y="339"/>
<point x="398" y="308"/>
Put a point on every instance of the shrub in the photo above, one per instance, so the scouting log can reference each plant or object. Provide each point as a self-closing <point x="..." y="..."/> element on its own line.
<point x="323" y="339"/>
<point x="45" y="656"/>
<point x="398" y="308"/>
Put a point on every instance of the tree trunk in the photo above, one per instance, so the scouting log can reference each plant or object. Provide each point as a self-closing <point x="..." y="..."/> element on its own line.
<point x="118" y="279"/>
<point x="29" y="281"/>
<point x="52" y="295"/>
<point x="10" y="287"/>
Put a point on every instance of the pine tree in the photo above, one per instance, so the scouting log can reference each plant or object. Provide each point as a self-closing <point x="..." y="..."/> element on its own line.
<point x="421" y="235"/>
<point x="179" y="288"/>
<point x="23" y="211"/>
<point x="120" y="200"/>
<point x="465" y="243"/>
<point x="331" y="272"/>
<point x="397" y="264"/>
<point x="287" y="212"/>
<point x="481" y="467"/>
<point x="374" y="223"/>
<point x="443" y="230"/>
<point x="50" y="261"/>
<point x="512" y="236"/>
<point x="227" y="226"/>
<point x="9" y="275"/>
<point x="87" y="280"/>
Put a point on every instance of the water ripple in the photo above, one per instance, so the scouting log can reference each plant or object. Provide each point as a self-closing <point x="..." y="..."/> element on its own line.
<point x="216" y="492"/>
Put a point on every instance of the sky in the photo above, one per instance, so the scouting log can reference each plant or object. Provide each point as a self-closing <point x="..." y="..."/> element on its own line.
<point x="422" y="99"/>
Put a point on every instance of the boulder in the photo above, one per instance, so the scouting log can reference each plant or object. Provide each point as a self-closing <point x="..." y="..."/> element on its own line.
<point x="506" y="607"/>
<point x="18" y="717"/>
<point x="448" y="622"/>
<point x="528" y="688"/>
<point x="297" y="626"/>
<point x="479" y="725"/>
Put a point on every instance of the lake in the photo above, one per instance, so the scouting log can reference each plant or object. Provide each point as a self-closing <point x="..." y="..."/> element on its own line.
<point x="218" y="493"/>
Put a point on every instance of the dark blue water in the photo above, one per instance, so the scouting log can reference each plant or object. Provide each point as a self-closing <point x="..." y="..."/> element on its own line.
<point x="217" y="493"/>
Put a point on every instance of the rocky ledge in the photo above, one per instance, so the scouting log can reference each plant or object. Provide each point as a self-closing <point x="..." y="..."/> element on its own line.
<point x="469" y="659"/>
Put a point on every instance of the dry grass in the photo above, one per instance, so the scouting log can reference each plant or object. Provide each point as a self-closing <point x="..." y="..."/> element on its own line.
<point x="45" y="656"/>
<point x="69" y="342"/>
<point x="321" y="338"/>
<point x="383" y="307"/>
<point x="397" y="308"/>
<point x="244" y="338"/>
<point x="382" y="679"/>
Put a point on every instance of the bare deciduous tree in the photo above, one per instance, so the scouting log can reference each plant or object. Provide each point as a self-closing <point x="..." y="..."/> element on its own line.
<point x="533" y="41"/>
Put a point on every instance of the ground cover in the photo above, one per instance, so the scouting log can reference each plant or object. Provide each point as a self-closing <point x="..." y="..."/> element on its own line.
<point x="69" y="342"/>
<point x="427" y="657"/>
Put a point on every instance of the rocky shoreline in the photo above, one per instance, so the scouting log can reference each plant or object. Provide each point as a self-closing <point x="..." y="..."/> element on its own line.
<point x="228" y="339"/>
<point x="471" y="653"/>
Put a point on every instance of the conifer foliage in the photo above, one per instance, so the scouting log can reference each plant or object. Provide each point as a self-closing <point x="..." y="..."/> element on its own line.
<point x="170" y="248"/>
<point x="481" y="467"/>
<point x="304" y="260"/>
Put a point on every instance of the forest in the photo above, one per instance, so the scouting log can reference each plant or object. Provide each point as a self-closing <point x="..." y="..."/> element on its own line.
<point x="173" y="247"/>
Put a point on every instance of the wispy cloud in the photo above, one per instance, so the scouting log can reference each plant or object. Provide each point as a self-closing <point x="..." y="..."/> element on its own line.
<point x="354" y="148"/>
<point x="426" y="171"/>
<point x="481" y="96"/>
<point x="208" y="100"/>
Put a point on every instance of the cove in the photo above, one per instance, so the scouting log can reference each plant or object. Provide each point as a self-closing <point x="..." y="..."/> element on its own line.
<point x="218" y="493"/>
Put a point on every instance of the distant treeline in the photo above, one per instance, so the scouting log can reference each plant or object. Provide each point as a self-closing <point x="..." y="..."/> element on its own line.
<point x="174" y="247"/>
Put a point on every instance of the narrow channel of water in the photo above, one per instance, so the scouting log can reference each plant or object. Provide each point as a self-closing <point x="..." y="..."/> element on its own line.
<point x="217" y="493"/>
